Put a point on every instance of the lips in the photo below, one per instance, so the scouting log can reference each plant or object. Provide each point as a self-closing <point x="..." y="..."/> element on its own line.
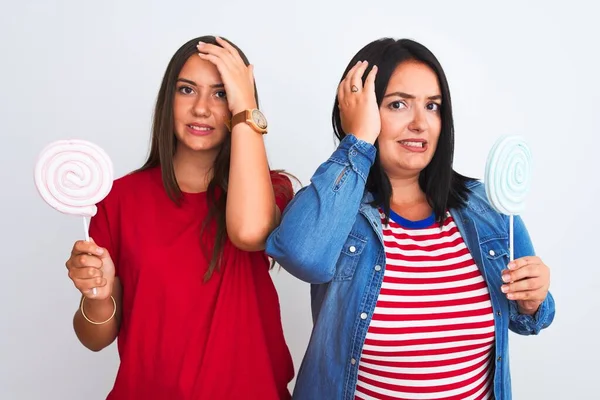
<point x="200" y="129"/>
<point x="414" y="145"/>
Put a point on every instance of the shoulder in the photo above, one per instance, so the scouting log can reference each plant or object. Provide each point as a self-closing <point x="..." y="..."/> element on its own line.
<point x="477" y="199"/>
<point x="283" y="188"/>
<point x="282" y="182"/>
<point x="478" y="205"/>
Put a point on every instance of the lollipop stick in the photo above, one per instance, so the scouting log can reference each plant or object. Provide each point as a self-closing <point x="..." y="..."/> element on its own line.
<point x="86" y="229"/>
<point x="511" y="238"/>
<point x="87" y="239"/>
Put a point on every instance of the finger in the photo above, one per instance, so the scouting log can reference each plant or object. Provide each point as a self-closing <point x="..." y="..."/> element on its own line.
<point x="370" y="80"/>
<point x="85" y="286"/>
<point x="217" y="51"/>
<point x="217" y="61"/>
<point x="85" y="247"/>
<point x="528" y="271"/>
<point x="84" y="261"/>
<point x="532" y="295"/>
<point x="523" y="261"/>
<point x="230" y="49"/>
<point x="344" y="87"/>
<point x="85" y="273"/>
<point x="356" y="80"/>
<point x="524" y="285"/>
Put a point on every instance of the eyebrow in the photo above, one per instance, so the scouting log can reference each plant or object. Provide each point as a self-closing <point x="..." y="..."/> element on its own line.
<point x="410" y="96"/>
<point x="214" y="86"/>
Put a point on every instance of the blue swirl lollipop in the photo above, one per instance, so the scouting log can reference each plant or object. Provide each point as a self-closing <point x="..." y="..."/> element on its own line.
<point x="508" y="178"/>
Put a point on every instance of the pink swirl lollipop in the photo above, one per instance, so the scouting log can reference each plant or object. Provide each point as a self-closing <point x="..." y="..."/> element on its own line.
<point x="72" y="176"/>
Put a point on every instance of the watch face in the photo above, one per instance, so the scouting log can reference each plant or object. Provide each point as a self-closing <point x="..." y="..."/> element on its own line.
<point x="259" y="119"/>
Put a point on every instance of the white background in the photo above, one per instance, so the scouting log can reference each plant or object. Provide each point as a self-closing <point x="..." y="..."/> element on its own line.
<point x="91" y="70"/>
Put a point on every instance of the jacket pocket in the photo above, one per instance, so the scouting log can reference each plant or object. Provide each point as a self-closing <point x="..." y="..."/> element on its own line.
<point x="349" y="257"/>
<point x="496" y="253"/>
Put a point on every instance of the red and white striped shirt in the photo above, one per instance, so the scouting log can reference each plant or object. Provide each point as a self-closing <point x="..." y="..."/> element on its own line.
<point x="432" y="332"/>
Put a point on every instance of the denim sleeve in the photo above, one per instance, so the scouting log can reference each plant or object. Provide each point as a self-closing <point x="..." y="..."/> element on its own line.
<point x="315" y="225"/>
<point x="528" y="324"/>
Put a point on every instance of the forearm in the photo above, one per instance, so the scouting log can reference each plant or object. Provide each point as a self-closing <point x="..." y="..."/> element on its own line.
<point x="98" y="336"/>
<point x="251" y="213"/>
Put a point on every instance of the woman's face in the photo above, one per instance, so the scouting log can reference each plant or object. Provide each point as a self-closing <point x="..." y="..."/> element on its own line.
<point x="410" y="120"/>
<point x="200" y="106"/>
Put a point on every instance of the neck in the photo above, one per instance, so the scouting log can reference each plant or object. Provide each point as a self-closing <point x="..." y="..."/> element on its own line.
<point x="193" y="169"/>
<point x="408" y="200"/>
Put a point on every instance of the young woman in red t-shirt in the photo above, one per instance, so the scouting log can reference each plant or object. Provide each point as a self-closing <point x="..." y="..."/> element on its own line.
<point x="176" y="254"/>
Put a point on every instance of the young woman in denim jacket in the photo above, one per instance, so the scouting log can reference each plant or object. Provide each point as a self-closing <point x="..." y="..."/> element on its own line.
<point x="412" y="291"/>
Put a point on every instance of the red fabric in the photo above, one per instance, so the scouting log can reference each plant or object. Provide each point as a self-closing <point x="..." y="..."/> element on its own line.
<point x="181" y="338"/>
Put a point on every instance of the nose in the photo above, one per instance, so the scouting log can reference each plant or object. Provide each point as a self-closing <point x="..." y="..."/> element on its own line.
<point x="201" y="107"/>
<point x="419" y="121"/>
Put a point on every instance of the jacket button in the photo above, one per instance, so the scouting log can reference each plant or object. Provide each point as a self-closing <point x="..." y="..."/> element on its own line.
<point x="352" y="249"/>
<point x="353" y="361"/>
<point x="492" y="253"/>
<point x="499" y="313"/>
<point x="499" y="359"/>
<point x="363" y="315"/>
<point x="378" y="268"/>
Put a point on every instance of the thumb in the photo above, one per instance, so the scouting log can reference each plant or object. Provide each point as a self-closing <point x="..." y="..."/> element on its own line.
<point x="101" y="251"/>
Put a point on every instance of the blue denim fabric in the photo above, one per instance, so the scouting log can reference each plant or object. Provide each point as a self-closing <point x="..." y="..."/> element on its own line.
<point x="313" y="242"/>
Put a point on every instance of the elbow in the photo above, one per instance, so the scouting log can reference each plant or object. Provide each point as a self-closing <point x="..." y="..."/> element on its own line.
<point x="91" y="344"/>
<point x="93" y="348"/>
<point x="299" y="260"/>
<point x="248" y="239"/>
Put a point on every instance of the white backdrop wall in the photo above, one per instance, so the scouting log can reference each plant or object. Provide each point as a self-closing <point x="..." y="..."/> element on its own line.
<point x="91" y="70"/>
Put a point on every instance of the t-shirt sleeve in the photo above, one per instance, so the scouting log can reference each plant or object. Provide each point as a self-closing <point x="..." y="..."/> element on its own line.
<point x="102" y="230"/>
<point x="284" y="191"/>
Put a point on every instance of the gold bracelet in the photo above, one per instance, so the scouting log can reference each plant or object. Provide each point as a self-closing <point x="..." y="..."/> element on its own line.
<point x="98" y="323"/>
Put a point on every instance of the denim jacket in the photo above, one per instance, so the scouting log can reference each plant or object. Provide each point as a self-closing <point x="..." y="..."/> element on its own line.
<point x="331" y="237"/>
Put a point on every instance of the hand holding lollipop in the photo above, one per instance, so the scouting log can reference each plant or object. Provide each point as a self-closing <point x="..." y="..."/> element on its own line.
<point x="72" y="176"/>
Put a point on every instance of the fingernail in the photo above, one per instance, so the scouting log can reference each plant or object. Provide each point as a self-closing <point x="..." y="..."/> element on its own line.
<point x="99" y="251"/>
<point x="200" y="44"/>
<point x="510" y="296"/>
<point x="506" y="278"/>
<point x="504" y="288"/>
<point x="511" y="265"/>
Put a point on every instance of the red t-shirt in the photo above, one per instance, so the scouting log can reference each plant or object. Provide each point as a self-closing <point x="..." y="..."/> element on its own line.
<point x="181" y="338"/>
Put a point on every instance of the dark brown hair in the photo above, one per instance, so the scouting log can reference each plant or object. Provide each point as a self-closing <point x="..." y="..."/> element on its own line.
<point x="164" y="144"/>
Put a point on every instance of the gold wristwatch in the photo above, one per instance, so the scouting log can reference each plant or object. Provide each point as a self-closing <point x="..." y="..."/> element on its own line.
<point x="253" y="117"/>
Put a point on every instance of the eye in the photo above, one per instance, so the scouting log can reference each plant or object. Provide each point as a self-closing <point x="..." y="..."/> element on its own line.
<point x="434" y="107"/>
<point x="396" y="105"/>
<point x="185" y="90"/>
<point x="221" y="94"/>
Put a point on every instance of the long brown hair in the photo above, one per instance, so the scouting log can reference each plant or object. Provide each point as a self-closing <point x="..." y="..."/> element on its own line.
<point x="164" y="143"/>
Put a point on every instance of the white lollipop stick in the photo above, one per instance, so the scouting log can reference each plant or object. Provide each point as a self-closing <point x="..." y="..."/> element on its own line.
<point x="72" y="176"/>
<point x="508" y="179"/>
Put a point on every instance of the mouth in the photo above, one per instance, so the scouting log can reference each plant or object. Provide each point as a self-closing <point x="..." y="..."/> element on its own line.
<point x="200" y="129"/>
<point x="414" y="145"/>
